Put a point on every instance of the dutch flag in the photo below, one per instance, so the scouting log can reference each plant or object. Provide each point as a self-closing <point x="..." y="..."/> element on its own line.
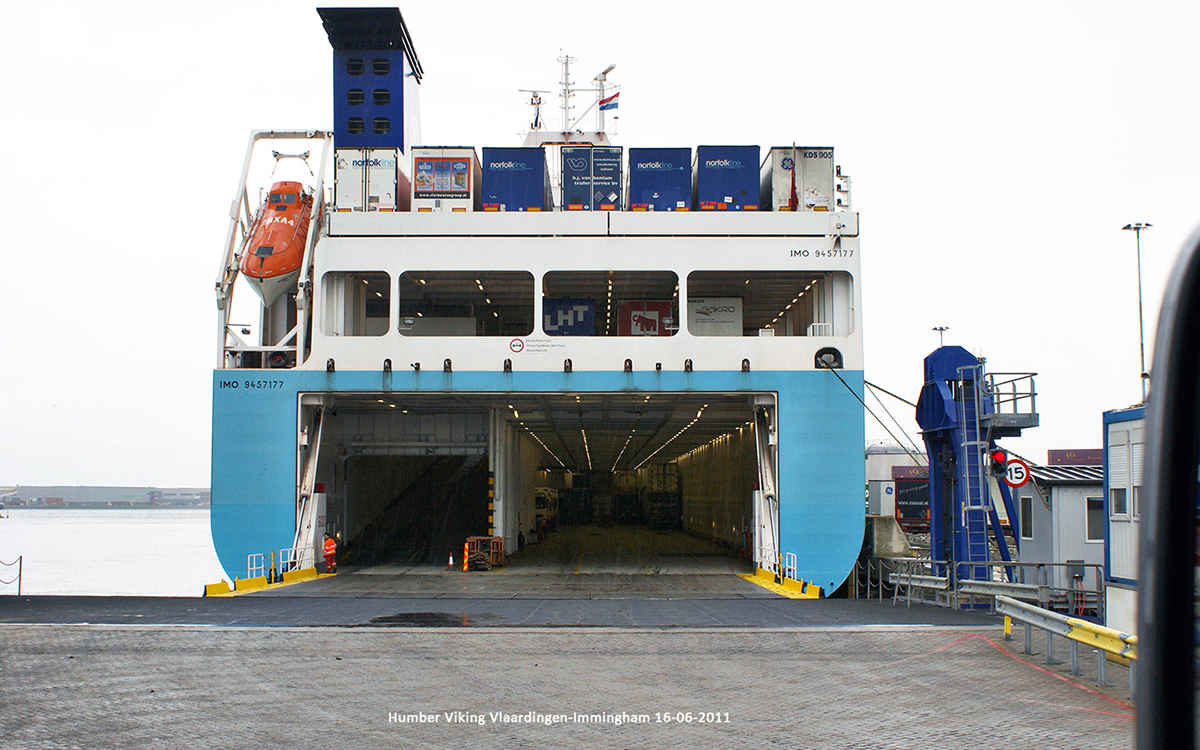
<point x="609" y="102"/>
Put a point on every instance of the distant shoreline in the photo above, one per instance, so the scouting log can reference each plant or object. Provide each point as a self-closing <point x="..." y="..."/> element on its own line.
<point x="99" y="506"/>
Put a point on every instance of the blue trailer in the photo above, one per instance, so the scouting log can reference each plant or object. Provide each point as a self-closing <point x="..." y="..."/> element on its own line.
<point x="660" y="179"/>
<point x="591" y="178"/>
<point x="516" y="179"/>
<point x="565" y="316"/>
<point x="726" y="178"/>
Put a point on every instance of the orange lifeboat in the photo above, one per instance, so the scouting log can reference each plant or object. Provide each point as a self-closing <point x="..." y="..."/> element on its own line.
<point x="271" y="258"/>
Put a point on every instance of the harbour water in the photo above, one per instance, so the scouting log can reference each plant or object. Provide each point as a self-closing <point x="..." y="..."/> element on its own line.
<point x="165" y="552"/>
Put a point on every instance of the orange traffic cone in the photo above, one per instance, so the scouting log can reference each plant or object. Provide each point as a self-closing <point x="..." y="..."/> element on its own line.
<point x="450" y="565"/>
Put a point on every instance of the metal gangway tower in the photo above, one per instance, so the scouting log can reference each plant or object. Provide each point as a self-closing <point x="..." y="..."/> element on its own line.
<point x="963" y="410"/>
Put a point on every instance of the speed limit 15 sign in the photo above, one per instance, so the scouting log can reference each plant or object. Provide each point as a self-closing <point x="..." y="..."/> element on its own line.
<point x="1017" y="473"/>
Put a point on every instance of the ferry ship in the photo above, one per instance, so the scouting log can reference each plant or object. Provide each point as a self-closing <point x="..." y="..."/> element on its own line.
<point x="454" y="358"/>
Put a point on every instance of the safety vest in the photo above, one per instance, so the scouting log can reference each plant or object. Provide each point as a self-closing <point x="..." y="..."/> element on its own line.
<point x="330" y="547"/>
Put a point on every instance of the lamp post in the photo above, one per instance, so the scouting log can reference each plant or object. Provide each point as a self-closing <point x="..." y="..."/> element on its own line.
<point x="1137" y="227"/>
<point x="941" y="330"/>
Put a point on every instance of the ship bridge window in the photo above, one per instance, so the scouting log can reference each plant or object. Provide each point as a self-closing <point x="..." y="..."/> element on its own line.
<point x="610" y="303"/>
<point x="381" y="97"/>
<point x="381" y="66"/>
<point x="356" y="303"/>
<point x="770" y="303"/>
<point x="355" y="125"/>
<point x="355" y="97"/>
<point x="465" y="303"/>
<point x="355" y="66"/>
<point x="381" y="125"/>
<point x="283" y="198"/>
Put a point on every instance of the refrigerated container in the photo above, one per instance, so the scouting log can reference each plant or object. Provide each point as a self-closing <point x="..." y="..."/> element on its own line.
<point x="516" y="179"/>
<point x="813" y="171"/>
<point x="591" y="178"/>
<point x="369" y="179"/>
<point x="660" y="179"/>
<point x="725" y="178"/>
<point x="445" y="179"/>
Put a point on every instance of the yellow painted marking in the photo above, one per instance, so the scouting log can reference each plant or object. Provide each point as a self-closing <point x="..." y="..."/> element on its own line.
<point x="789" y="588"/>
<point x="249" y="584"/>
<point x="296" y="576"/>
<point x="266" y="586"/>
<point x="1007" y="626"/>
<point x="220" y="588"/>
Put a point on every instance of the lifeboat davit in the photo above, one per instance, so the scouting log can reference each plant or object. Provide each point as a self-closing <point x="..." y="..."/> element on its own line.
<point x="272" y="257"/>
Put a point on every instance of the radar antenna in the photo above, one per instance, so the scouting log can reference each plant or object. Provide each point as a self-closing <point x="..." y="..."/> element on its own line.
<point x="535" y="101"/>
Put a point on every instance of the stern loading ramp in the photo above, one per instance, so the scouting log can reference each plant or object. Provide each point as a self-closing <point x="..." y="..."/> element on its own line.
<point x="617" y="485"/>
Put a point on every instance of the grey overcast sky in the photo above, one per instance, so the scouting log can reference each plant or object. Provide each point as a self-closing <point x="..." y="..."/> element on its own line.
<point x="996" y="150"/>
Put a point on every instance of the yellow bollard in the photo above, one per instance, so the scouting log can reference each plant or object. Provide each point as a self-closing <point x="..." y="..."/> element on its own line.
<point x="1007" y="628"/>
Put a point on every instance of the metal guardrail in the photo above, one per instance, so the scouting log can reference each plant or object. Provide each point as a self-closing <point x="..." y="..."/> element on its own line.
<point x="922" y="572"/>
<point x="1104" y="640"/>
<point x="1000" y="588"/>
<point x="19" y="564"/>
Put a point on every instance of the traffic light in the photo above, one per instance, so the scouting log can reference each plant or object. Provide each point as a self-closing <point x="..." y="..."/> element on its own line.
<point x="998" y="463"/>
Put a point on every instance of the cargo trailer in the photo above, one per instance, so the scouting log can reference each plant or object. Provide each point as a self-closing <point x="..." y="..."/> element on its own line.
<point x="591" y="178"/>
<point x="369" y="179"/>
<point x="725" y="178"/>
<point x="646" y="318"/>
<point x="660" y="179"/>
<point x="807" y="170"/>
<point x="446" y="179"/>
<point x="516" y="179"/>
<point x="562" y="316"/>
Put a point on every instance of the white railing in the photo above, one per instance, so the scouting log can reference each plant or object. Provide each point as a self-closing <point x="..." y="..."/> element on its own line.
<point x="256" y="565"/>
<point x="820" y="329"/>
<point x="19" y="564"/>
<point x="789" y="566"/>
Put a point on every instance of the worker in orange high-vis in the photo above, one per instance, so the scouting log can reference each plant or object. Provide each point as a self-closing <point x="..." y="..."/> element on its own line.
<point x="330" y="554"/>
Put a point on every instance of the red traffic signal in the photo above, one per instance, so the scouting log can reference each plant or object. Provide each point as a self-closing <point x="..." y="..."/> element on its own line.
<point x="998" y="463"/>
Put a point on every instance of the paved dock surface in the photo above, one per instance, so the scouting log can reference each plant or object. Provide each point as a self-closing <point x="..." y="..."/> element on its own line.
<point x="117" y="686"/>
<point x="342" y="611"/>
